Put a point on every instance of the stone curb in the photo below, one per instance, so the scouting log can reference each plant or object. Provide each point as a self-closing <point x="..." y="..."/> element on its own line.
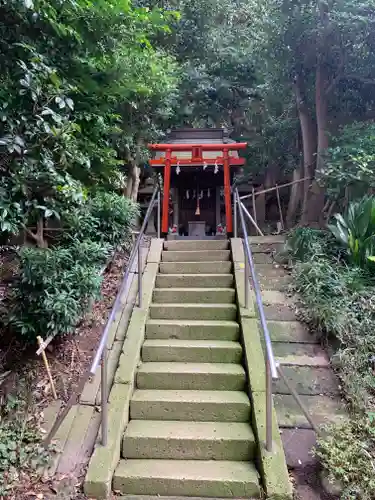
<point x="98" y="480"/>
<point x="272" y="466"/>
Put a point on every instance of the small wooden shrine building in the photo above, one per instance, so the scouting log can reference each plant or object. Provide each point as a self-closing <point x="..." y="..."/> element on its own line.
<point x="197" y="166"/>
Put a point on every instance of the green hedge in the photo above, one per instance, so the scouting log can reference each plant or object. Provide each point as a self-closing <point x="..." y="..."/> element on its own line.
<point x="56" y="285"/>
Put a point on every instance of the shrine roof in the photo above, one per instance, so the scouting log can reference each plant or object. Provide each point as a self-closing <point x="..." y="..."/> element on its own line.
<point x="197" y="136"/>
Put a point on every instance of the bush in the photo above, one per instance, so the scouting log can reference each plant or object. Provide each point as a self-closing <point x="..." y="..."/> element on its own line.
<point x="105" y="218"/>
<point x="355" y="231"/>
<point x="349" y="454"/>
<point x="56" y="285"/>
<point x="55" y="288"/>
<point x="304" y="242"/>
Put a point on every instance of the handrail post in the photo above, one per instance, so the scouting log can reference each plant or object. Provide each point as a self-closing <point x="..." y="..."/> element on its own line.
<point x="159" y="213"/>
<point x="235" y="215"/>
<point x="247" y="278"/>
<point x="273" y="370"/>
<point x="104" y="395"/>
<point x="139" y="277"/>
<point x="269" y="404"/>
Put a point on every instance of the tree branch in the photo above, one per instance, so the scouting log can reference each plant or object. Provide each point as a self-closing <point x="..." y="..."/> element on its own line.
<point x="347" y="120"/>
<point x="38" y="237"/>
<point x="366" y="81"/>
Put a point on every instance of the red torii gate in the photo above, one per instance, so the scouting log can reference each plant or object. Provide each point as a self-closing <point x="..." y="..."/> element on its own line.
<point x="197" y="159"/>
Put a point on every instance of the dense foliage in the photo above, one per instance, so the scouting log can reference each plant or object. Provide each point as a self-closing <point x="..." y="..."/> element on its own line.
<point x="81" y="89"/>
<point x="338" y="298"/>
<point x="349" y="169"/>
<point x="56" y="285"/>
<point x="69" y="105"/>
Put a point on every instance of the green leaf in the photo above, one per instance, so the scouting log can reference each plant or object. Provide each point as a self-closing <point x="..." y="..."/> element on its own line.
<point x="70" y="103"/>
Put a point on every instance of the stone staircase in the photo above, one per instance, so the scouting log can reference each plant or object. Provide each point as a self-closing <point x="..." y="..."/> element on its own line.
<point x="189" y="432"/>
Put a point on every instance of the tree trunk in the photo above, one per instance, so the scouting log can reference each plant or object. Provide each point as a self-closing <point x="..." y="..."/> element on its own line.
<point x="270" y="180"/>
<point x="134" y="175"/>
<point x="129" y="185"/>
<point x="260" y="207"/>
<point x="308" y="142"/>
<point x="136" y="181"/>
<point x="294" y="199"/>
<point x="316" y="195"/>
<point x="38" y="237"/>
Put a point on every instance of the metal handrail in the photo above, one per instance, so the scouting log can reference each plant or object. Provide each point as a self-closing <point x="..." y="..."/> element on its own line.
<point x="102" y="351"/>
<point x="271" y="366"/>
<point x="273" y="369"/>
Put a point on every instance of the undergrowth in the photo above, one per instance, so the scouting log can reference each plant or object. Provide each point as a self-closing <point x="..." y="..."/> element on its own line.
<point x="22" y="457"/>
<point x="339" y="299"/>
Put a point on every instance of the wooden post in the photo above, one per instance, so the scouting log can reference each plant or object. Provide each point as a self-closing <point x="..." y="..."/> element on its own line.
<point x="45" y="360"/>
<point x="167" y="185"/>
<point x="228" y="205"/>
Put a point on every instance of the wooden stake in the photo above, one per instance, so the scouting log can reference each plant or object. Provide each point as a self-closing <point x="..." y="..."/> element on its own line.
<point x="40" y="342"/>
<point x="279" y="205"/>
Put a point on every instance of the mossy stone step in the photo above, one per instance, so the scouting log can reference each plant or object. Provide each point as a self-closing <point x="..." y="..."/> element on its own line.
<point x="194" y="295"/>
<point x="196" y="245"/>
<point x="195" y="255"/>
<point x="299" y="354"/>
<point x="272" y="277"/>
<point x="191" y="376"/>
<point x="192" y="329"/>
<point x="199" y="406"/>
<point x="211" y="478"/>
<point x="323" y="410"/>
<point x="192" y="351"/>
<point x="211" y="267"/>
<point x="179" y="440"/>
<point x="309" y="381"/>
<point x="194" y="281"/>
<point x="194" y="311"/>
<point x="279" y="312"/>
<point x="290" y="331"/>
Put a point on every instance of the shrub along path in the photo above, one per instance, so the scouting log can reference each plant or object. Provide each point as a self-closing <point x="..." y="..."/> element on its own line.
<point x="305" y="364"/>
